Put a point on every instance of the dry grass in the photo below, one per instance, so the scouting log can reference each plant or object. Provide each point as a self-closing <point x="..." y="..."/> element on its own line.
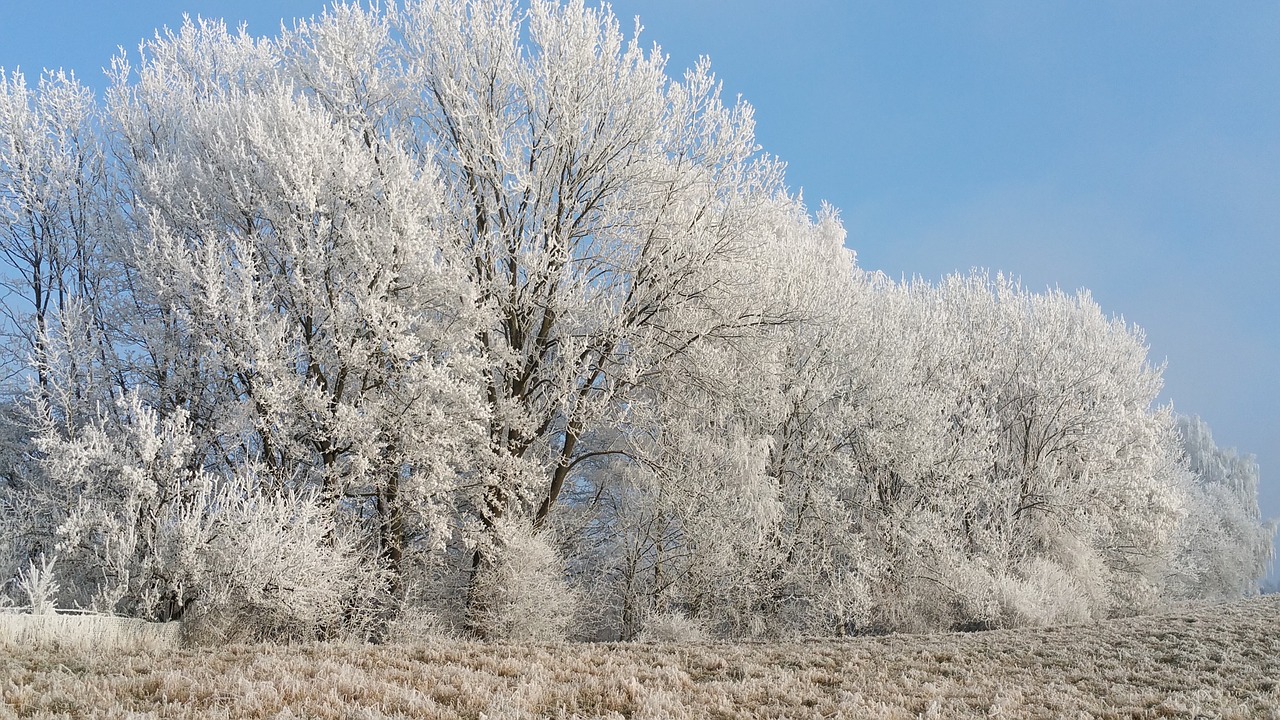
<point x="88" y="632"/>
<point x="1221" y="661"/>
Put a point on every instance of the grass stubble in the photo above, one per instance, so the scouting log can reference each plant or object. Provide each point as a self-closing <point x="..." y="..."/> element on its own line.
<point x="1213" y="661"/>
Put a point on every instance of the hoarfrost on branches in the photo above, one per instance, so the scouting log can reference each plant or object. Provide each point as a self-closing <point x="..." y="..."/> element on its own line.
<point x="468" y="316"/>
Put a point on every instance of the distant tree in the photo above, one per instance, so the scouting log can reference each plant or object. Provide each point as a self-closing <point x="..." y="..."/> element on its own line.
<point x="1226" y="547"/>
<point x="1035" y="451"/>
<point x="965" y="454"/>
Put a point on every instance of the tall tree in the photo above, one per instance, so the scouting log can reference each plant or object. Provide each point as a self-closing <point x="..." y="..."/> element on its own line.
<point x="607" y="212"/>
<point x="308" y="314"/>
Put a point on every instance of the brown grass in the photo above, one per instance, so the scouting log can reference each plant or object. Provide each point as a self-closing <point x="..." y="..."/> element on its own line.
<point x="1216" y="661"/>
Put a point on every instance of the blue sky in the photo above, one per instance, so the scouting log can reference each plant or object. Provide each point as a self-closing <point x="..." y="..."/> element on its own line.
<point x="1131" y="148"/>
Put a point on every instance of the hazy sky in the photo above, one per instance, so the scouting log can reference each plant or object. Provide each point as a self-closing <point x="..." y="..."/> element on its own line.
<point x="1131" y="148"/>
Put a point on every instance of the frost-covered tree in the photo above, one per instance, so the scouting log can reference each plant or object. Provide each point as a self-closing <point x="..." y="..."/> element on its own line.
<point x="1004" y="430"/>
<point x="308" y="313"/>
<point x="684" y="518"/>
<point x="338" y="230"/>
<point x="56" y="216"/>
<point x="608" y="214"/>
<point x="1225" y="546"/>
<point x="468" y="305"/>
<point x="922" y="456"/>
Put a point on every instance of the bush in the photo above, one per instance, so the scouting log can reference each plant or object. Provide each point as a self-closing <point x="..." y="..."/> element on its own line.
<point x="269" y="567"/>
<point x="671" y="627"/>
<point x="417" y="624"/>
<point x="40" y="585"/>
<point x="841" y="606"/>
<point x="1045" y="594"/>
<point x="521" y="594"/>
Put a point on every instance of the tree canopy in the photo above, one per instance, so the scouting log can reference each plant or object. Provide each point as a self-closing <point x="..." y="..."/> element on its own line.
<point x="467" y="313"/>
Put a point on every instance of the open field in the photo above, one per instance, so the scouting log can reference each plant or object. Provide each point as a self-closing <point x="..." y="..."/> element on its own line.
<point x="1217" y="661"/>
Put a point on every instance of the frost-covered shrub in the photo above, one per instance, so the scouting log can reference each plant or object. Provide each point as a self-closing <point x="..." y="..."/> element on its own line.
<point x="40" y="585"/>
<point x="416" y="624"/>
<point x="521" y="593"/>
<point x="842" y="607"/>
<point x="671" y="627"/>
<point x="109" y="491"/>
<point x="1067" y="586"/>
<point x="267" y="566"/>
<point x="1044" y="594"/>
<point x="143" y="530"/>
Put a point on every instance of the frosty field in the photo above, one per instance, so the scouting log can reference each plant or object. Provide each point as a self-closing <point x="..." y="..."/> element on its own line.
<point x="1213" y="661"/>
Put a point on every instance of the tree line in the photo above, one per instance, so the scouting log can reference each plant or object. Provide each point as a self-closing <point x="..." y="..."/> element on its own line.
<point x="466" y="315"/>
